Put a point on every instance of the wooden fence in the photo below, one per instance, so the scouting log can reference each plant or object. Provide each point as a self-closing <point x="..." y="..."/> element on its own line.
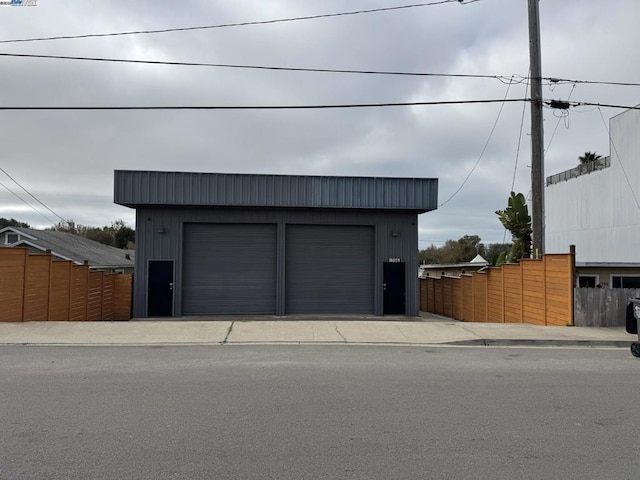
<point x="539" y="292"/>
<point x="34" y="287"/>
<point x="602" y="307"/>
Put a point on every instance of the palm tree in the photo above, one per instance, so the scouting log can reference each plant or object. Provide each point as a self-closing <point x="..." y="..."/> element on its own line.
<point x="589" y="158"/>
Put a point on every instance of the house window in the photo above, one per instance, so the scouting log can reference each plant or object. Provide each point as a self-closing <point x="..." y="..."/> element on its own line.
<point x="588" y="281"/>
<point x="11" y="238"/>
<point x="625" y="281"/>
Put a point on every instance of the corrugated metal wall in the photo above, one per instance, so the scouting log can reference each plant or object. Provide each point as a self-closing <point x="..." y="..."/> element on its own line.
<point x="159" y="236"/>
<point x="217" y="189"/>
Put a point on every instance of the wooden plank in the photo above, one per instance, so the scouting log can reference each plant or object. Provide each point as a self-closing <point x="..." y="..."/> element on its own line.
<point x="480" y="297"/>
<point x="36" y="288"/>
<point x="122" y="297"/>
<point x="107" y="297"/>
<point x="12" y="276"/>
<point x="94" y="296"/>
<point x="79" y="293"/>
<point x="60" y="290"/>
<point x="458" y="299"/>
<point x="467" y="289"/>
<point x="447" y="297"/>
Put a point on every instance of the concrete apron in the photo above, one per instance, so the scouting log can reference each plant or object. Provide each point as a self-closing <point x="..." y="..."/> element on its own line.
<point x="322" y="330"/>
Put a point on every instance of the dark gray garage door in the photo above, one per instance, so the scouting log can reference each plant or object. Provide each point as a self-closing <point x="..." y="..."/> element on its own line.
<point x="229" y="269"/>
<point x="329" y="269"/>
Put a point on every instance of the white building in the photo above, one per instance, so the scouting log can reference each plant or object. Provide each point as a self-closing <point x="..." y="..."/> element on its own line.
<point x="597" y="209"/>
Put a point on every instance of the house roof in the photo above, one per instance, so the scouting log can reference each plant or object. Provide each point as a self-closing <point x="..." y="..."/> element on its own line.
<point x="72" y="247"/>
<point x="148" y="188"/>
<point x="474" y="263"/>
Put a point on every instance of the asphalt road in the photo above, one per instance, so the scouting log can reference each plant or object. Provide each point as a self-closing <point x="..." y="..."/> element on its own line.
<point x="318" y="412"/>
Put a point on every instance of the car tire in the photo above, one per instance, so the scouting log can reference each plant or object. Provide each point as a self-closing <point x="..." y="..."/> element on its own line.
<point x="635" y="349"/>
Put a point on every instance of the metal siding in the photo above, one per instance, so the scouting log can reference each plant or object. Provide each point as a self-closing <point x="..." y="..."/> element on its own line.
<point x="597" y="212"/>
<point x="229" y="269"/>
<point x="136" y="188"/>
<point x="168" y="246"/>
<point x="329" y="269"/>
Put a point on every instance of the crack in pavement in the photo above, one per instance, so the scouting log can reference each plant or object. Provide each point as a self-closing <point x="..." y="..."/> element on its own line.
<point x="335" y="325"/>
<point x="228" y="333"/>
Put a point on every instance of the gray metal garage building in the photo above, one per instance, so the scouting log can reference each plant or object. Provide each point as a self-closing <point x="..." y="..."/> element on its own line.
<point x="212" y="244"/>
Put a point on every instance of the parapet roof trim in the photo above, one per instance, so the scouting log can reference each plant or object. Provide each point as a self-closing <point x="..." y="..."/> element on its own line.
<point x="135" y="188"/>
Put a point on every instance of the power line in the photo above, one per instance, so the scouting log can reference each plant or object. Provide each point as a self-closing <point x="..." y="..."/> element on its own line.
<point x="27" y="203"/>
<point x="558" y="122"/>
<point x="503" y="78"/>
<point x="311" y="107"/>
<point x="238" y="24"/>
<point x="495" y="124"/>
<point x="606" y="105"/>
<point x="30" y="194"/>
<point x="515" y="166"/>
<point x="591" y="82"/>
<point x="269" y="107"/>
<point x="624" y="172"/>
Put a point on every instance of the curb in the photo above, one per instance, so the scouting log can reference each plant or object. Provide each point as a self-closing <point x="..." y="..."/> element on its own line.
<point x="481" y="342"/>
<point x="539" y="343"/>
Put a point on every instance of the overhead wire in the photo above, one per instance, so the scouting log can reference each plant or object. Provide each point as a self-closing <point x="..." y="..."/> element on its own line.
<point x="606" y="105"/>
<point x="591" y="82"/>
<point x="503" y="78"/>
<point x="558" y="122"/>
<point x="27" y="203"/>
<point x="30" y="194"/>
<point x="504" y="101"/>
<point x="515" y="165"/>
<point x="237" y="24"/>
<point x="506" y="79"/>
<point x="624" y="172"/>
<point x="264" y="107"/>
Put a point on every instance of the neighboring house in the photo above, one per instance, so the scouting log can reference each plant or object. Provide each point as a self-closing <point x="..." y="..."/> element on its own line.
<point x="597" y="209"/>
<point x="211" y="243"/>
<point x="452" y="269"/>
<point x="68" y="246"/>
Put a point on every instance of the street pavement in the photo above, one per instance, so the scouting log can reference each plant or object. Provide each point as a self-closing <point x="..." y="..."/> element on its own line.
<point x="425" y="330"/>
<point x="317" y="412"/>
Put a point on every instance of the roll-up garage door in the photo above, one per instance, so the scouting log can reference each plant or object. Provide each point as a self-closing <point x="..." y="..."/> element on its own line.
<point x="329" y="269"/>
<point x="229" y="269"/>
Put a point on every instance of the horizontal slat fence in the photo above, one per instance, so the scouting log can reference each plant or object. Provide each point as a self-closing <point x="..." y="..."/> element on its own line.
<point x="538" y="292"/>
<point x="602" y="307"/>
<point x="35" y="287"/>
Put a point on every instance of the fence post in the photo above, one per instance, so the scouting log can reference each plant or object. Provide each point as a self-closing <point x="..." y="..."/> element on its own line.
<point x="572" y="266"/>
<point x="544" y="289"/>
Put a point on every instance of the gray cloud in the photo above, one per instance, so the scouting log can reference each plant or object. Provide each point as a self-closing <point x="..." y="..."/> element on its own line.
<point x="67" y="158"/>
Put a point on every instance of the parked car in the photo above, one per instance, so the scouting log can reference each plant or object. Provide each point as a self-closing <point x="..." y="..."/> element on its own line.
<point x="633" y="318"/>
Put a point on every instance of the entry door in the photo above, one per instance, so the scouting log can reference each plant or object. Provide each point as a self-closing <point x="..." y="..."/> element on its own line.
<point x="160" y="288"/>
<point x="394" y="288"/>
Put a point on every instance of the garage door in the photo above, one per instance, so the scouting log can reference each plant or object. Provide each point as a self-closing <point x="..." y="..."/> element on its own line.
<point x="329" y="269"/>
<point x="229" y="269"/>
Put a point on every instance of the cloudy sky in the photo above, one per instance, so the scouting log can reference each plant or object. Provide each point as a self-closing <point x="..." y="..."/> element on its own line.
<point x="66" y="158"/>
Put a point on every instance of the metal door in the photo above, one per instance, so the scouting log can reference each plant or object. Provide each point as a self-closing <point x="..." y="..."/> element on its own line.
<point x="329" y="269"/>
<point x="394" y="287"/>
<point x="160" y="288"/>
<point x="229" y="269"/>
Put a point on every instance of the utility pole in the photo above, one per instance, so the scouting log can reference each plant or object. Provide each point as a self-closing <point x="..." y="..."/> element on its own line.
<point x="537" y="137"/>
